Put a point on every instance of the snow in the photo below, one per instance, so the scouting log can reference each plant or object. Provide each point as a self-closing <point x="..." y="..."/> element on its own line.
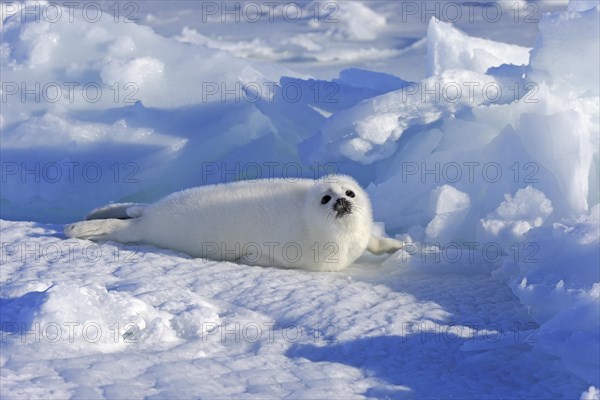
<point x="251" y="330"/>
<point x="476" y="141"/>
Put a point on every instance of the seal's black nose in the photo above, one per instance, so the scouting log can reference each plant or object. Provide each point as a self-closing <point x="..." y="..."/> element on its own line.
<point x="342" y="207"/>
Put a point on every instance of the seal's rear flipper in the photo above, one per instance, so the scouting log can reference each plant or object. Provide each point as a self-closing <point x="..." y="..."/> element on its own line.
<point x="104" y="229"/>
<point x="117" y="211"/>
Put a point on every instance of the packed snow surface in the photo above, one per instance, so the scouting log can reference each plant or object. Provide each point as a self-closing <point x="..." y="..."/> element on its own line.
<point x="477" y="140"/>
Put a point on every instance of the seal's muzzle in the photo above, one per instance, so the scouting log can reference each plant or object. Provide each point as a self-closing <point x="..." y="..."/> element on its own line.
<point x="342" y="207"/>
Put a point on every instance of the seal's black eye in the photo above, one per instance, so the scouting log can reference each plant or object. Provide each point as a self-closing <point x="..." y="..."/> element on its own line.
<point x="325" y="199"/>
<point x="350" y="194"/>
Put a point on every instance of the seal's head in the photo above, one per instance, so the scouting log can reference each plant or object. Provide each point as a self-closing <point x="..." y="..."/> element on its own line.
<point x="339" y="200"/>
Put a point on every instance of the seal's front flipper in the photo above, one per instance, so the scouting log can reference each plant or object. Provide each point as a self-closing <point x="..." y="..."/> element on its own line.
<point x="380" y="245"/>
<point x="117" y="211"/>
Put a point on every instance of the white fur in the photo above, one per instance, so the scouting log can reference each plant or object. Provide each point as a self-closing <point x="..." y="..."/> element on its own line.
<point x="273" y="222"/>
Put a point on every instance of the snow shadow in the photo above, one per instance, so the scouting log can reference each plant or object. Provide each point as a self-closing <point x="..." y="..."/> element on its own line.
<point x="420" y="366"/>
<point x="467" y="292"/>
<point x="17" y="314"/>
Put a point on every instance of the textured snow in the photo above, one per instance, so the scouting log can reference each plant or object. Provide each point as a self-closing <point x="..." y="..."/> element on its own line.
<point x="149" y="322"/>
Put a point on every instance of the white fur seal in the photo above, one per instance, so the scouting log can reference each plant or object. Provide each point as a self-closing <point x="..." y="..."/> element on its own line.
<point x="321" y="225"/>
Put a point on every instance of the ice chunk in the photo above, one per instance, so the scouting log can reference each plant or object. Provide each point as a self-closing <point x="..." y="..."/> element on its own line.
<point x="142" y="70"/>
<point x="377" y="81"/>
<point x="591" y="394"/>
<point x="564" y="38"/>
<point x="582" y="5"/>
<point x="42" y="43"/>
<point x="449" y="48"/>
<point x="357" y="21"/>
<point x="448" y="206"/>
<point x="555" y="274"/>
<point x="572" y="335"/>
<point x="515" y="216"/>
<point x="53" y="130"/>
<point x="368" y="132"/>
<point x="562" y="143"/>
<point x="446" y="199"/>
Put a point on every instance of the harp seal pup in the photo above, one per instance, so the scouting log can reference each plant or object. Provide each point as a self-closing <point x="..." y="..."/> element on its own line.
<point x="318" y="225"/>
